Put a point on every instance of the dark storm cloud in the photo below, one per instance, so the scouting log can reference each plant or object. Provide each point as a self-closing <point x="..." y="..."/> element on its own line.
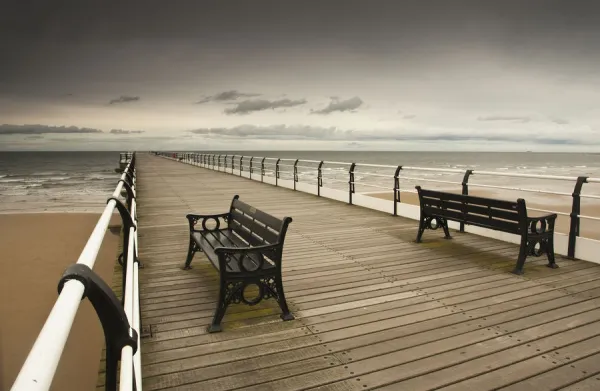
<point x="226" y="96"/>
<point x="509" y="118"/>
<point x="249" y="106"/>
<point x="286" y="132"/>
<point x="121" y="131"/>
<point x="124" y="99"/>
<point x="41" y="129"/>
<point x="340" y="105"/>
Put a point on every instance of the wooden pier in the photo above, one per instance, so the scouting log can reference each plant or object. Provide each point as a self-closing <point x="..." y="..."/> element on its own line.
<point x="373" y="309"/>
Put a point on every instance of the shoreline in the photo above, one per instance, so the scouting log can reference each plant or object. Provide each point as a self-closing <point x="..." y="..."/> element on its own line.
<point x="36" y="248"/>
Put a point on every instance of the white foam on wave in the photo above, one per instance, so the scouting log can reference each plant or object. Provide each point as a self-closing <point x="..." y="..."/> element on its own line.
<point x="48" y="173"/>
<point x="11" y="180"/>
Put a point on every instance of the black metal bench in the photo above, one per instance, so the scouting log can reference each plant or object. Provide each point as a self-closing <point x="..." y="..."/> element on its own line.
<point x="246" y="252"/>
<point x="537" y="233"/>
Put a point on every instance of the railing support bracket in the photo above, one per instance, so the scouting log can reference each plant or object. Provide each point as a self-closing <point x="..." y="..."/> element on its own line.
<point x="117" y="331"/>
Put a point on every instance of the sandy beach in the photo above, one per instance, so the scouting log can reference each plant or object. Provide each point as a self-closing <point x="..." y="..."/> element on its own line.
<point x="588" y="228"/>
<point x="35" y="250"/>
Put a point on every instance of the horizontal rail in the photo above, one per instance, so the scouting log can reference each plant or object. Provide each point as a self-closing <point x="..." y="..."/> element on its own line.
<point x="374" y="174"/>
<point x="431" y="180"/>
<point x="518" y="175"/>
<point x="521" y="189"/>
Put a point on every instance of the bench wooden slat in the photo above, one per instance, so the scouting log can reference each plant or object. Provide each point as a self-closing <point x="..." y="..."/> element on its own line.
<point x="480" y="221"/>
<point x="473" y="209"/>
<point x="257" y="214"/>
<point x="501" y="204"/>
<point x="253" y="225"/>
<point x="245" y="233"/>
<point x="225" y="238"/>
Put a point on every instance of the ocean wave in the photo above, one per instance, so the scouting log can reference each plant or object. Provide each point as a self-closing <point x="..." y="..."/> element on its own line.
<point x="98" y="177"/>
<point x="49" y="173"/>
<point x="11" y="180"/>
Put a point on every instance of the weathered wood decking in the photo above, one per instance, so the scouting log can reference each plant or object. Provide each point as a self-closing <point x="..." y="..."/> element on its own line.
<point x="373" y="309"/>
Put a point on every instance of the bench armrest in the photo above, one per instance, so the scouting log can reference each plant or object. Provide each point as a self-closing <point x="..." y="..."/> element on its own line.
<point x="541" y="224"/>
<point x="228" y="254"/>
<point x="194" y="218"/>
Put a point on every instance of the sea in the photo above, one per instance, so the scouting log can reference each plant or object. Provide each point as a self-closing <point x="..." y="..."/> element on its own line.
<point x="56" y="181"/>
<point x="81" y="181"/>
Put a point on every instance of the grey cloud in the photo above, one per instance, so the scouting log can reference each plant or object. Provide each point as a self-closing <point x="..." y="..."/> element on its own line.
<point x="409" y="116"/>
<point x="509" y="118"/>
<point x="301" y="132"/>
<point x="41" y="129"/>
<point x="249" y="106"/>
<point x="121" y="131"/>
<point x="341" y="105"/>
<point x="560" y="121"/>
<point x="124" y="99"/>
<point x="227" y="96"/>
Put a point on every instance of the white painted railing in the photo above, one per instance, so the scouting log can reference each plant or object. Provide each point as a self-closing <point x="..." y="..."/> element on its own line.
<point x="290" y="173"/>
<point x="40" y="366"/>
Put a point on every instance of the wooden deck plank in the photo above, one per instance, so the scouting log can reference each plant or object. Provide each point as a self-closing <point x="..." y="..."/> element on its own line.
<point x="370" y="304"/>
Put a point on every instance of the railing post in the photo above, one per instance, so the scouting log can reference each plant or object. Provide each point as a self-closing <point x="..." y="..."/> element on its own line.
<point x="351" y="182"/>
<point x="465" y="191"/>
<point x="232" y="163"/>
<point x="262" y="168"/>
<point x="277" y="171"/>
<point x="251" y="159"/>
<point x="225" y="164"/>
<point x="295" y="173"/>
<point x="575" y="220"/>
<point x="241" y="164"/>
<point x="319" y="178"/>
<point x="397" y="189"/>
<point x="219" y="163"/>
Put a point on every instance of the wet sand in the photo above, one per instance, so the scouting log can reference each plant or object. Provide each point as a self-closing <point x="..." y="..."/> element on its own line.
<point x="588" y="228"/>
<point x="35" y="249"/>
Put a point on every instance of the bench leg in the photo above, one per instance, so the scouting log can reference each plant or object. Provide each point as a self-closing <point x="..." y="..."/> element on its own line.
<point x="191" y="251"/>
<point x="285" y="312"/>
<point x="421" y="230"/>
<point x="222" y="304"/>
<point x="523" y="250"/>
<point x="550" y="253"/>
<point x="444" y="224"/>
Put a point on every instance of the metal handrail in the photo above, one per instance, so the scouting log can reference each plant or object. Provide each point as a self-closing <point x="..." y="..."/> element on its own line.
<point x="351" y="171"/>
<point x="39" y="369"/>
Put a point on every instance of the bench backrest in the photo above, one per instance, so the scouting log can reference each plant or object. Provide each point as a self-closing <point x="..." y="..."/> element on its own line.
<point x="255" y="226"/>
<point x="484" y="212"/>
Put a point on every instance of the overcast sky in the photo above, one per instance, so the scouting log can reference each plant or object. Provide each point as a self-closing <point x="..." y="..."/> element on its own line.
<point x="393" y="75"/>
